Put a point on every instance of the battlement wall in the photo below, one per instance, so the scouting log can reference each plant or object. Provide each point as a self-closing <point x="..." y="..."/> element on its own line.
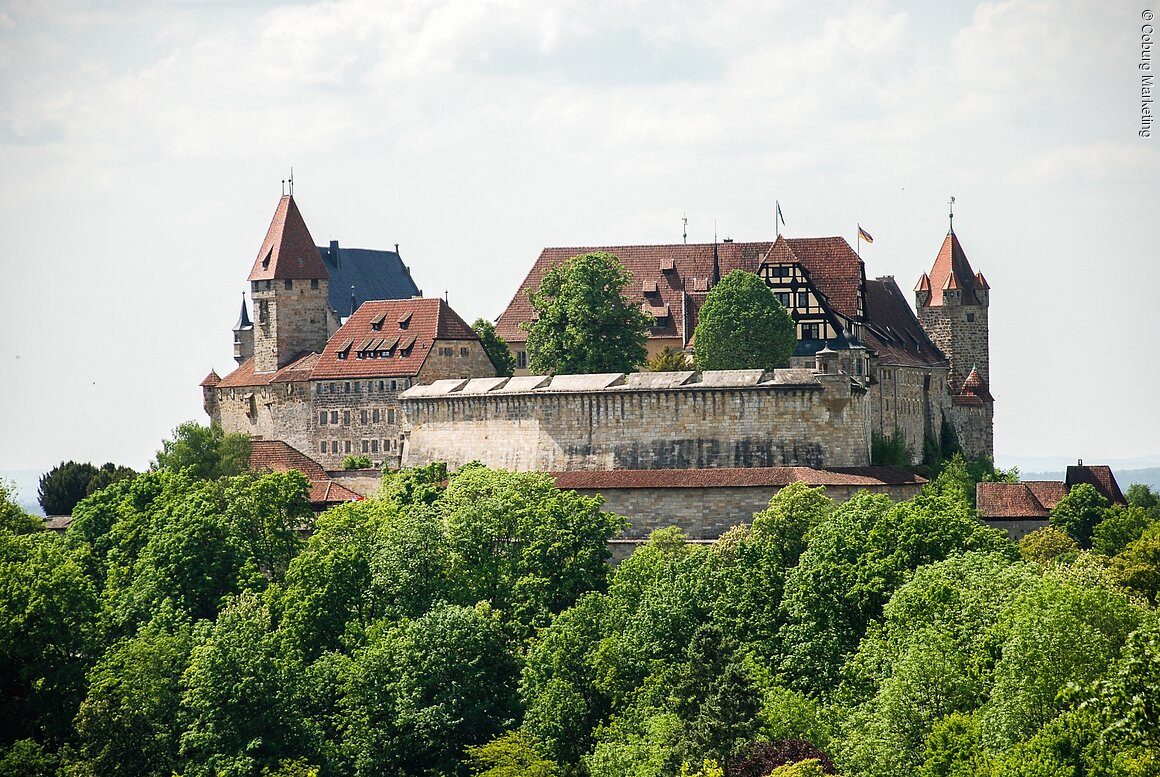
<point x="676" y="420"/>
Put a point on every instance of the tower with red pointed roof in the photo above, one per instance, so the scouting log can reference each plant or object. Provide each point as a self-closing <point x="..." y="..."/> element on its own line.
<point x="289" y="289"/>
<point x="953" y="302"/>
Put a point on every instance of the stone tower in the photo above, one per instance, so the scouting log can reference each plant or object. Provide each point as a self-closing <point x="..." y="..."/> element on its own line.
<point x="288" y="285"/>
<point x="243" y="335"/>
<point x="952" y="303"/>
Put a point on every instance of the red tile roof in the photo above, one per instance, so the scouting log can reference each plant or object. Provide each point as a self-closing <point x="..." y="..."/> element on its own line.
<point x="951" y="271"/>
<point x="830" y="263"/>
<point x="288" y="252"/>
<point x="736" y="477"/>
<point x="1031" y="499"/>
<point x="413" y="323"/>
<point x="277" y="456"/>
<point x="893" y="332"/>
<point x="211" y="380"/>
<point x="1098" y="475"/>
<point x="245" y="375"/>
<point x="672" y="268"/>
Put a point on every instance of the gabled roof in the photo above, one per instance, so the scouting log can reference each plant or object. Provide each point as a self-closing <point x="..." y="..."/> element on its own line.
<point x="278" y="456"/>
<point x="892" y="330"/>
<point x="1098" y="475"/>
<point x="1029" y="500"/>
<point x="288" y="252"/>
<point x="373" y="274"/>
<point x="951" y="270"/>
<point x="674" y="268"/>
<point x="832" y="266"/>
<point x="410" y="325"/>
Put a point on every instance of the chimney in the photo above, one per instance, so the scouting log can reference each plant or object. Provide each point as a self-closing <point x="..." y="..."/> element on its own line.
<point x="334" y="252"/>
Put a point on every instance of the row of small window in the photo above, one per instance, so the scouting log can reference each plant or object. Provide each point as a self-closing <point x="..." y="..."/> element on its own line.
<point x="449" y="351"/>
<point x="348" y="446"/>
<point x="403" y="354"/>
<point x="374" y="416"/>
<point x="287" y="284"/>
<point x="785" y="297"/>
<point x="358" y="386"/>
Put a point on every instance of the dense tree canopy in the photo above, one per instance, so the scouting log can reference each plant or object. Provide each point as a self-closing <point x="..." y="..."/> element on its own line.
<point x="583" y="323"/>
<point x="468" y="623"/>
<point x="743" y="326"/>
<point x="496" y="347"/>
<point x="204" y="452"/>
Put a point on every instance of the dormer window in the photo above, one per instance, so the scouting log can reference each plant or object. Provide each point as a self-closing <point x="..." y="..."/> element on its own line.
<point x="405" y="320"/>
<point x="668" y="265"/>
<point x="377" y="323"/>
<point x="345" y="349"/>
<point x="266" y="262"/>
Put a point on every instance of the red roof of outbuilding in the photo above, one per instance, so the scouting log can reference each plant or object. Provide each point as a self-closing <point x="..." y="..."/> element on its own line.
<point x="1098" y="475"/>
<point x="1032" y="499"/>
<point x="288" y="252"/>
<point x="294" y="372"/>
<point x="278" y="456"/>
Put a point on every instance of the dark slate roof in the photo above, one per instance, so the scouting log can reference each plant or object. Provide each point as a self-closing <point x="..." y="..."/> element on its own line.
<point x="892" y="329"/>
<point x="373" y="274"/>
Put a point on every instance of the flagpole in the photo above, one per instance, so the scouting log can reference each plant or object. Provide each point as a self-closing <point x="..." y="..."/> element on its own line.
<point x="859" y="241"/>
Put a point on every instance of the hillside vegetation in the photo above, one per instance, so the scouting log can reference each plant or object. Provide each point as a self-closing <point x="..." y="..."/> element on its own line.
<point x="469" y="624"/>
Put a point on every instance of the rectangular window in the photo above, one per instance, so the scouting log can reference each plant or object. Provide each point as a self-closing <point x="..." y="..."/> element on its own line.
<point x="357" y="386"/>
<point x="393" y="385"/>
<point x="375" y="415"/>
<point x="342" y="354"/>
<point x="314" y="283"/>
<point x="803" y="299"/>
<point x="318" y="388"/>
<point x="346" y="387"/>
<point x="390" y="416"/>
<point x="289" y="284"/>
<point x="331" y="389"/>
<point x="334" y="416"/>
<point x="970" y="317"/>
<point x="809" y="331"/>
<point x="322" y="446"/>
<point x="522" y="359"/>
<point x="463" y="351"/>
<point x="783" y="298"/>
<point x="366" y="446"/>
<point x="322" y="418"/>
<point x="362" y="417"/>
<point x="346" y="418"/>
<point x="346" y="446"/>
<point x="374" y="446"/>
<point x="382" y="385"/>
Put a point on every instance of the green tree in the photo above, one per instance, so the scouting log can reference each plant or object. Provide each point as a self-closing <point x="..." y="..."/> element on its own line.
<point x="422" y="690"/>
<point x="204" y="452"/>
<point x="669" y="359"/>
<point x="514" y="754"/>
<point x="268" y="512"/>
<point x="108" y="474"/>
<point x="743" y="326"/>
<point x="1047" y="544"/>
<point x="890" y="451"/>
<point x="1121" y="527"/>
<point x="1138" y="565"/>
<point x="13" y="518"/>
<point x="496" y="347"/>
<point x="1142" y="495"/>
<point x="357" y="462"/>
<point x="244" y="697"/>
<point x="63" y="486"/>
<point x="583" y="323"/>
<point x="47" y="636"/>
<point x="130" y="720"/>
<point x="1079" y="512"/>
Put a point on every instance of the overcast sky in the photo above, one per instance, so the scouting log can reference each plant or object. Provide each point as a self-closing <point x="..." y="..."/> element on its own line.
<point x="142" y="147"/>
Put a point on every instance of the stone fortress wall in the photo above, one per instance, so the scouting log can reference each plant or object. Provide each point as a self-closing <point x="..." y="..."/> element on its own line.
<point x="641" y="421"/>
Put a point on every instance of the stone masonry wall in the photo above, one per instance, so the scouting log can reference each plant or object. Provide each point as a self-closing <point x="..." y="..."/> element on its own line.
<point x="965" y="343"/>
<point x="290" y="321"/>
<point x="823" y="423"/>
<point x="707" y="513"/>
<point x="911" y="399"/>
<point x="974" y="426"/>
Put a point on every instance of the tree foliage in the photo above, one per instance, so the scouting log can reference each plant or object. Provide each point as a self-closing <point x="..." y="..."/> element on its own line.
<point x="669" y="359"/>
<point x="743" y="326"/>
<point x="1079" y="512"/>
<point x="204" y="452"/>
<point x="583" y="323"/>
<point x="496" y="347"/>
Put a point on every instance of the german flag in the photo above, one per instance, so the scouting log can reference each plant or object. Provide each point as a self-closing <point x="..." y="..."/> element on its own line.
<point x="864" y="235"/>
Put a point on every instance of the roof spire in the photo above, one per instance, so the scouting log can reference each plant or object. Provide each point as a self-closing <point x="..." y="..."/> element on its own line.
<point x="685" y="228"/>
<point x="244" y="318"/>
<point x="952" y="207"/>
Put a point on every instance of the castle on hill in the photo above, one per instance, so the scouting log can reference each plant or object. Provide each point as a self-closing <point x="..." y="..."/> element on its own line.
<point x="325" y="371"/>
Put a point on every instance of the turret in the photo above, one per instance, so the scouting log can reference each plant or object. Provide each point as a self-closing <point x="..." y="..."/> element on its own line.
<point x="952" y="303"/>
<point x="243" y="335"/>
<point x="288" y="285"/>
